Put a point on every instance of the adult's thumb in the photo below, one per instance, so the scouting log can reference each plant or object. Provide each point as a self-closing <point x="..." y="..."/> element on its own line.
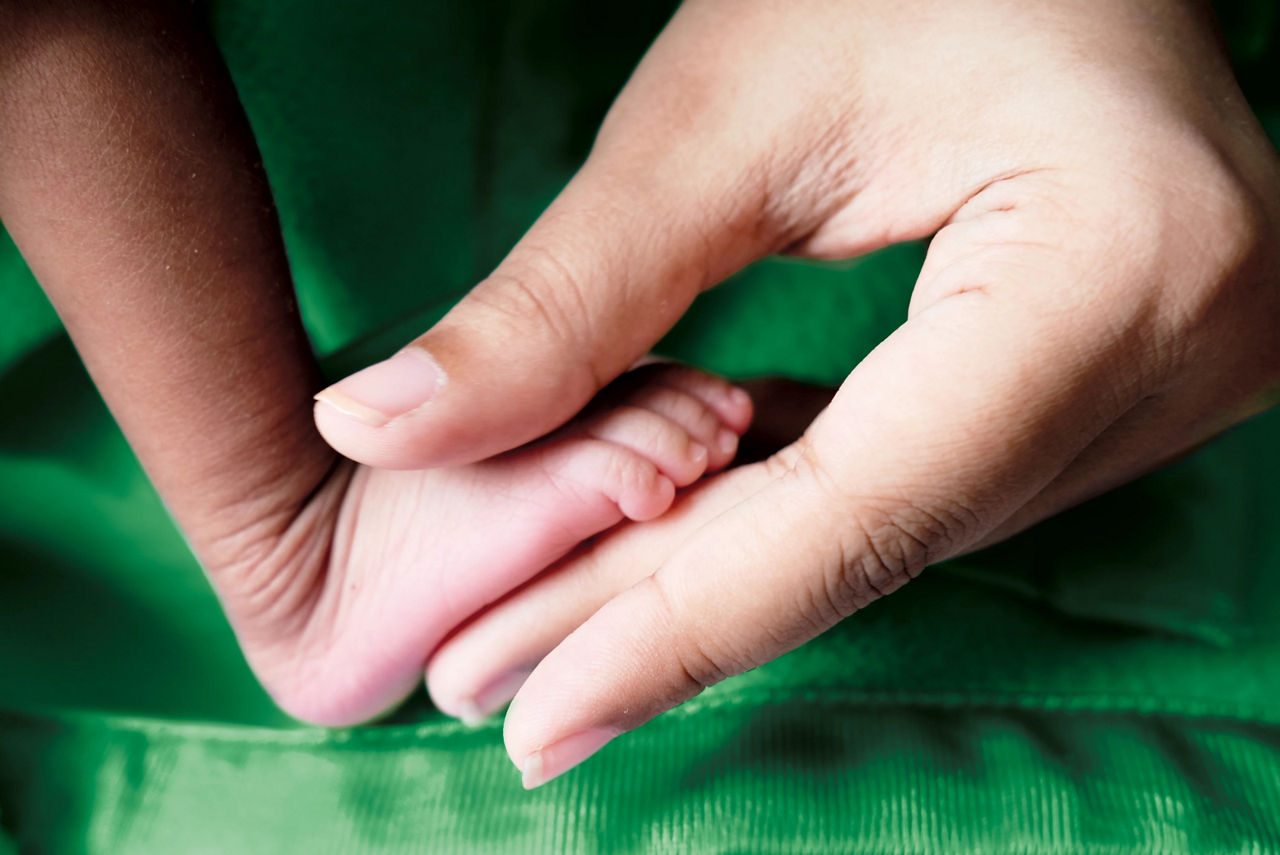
<point x="685" y="184"/>
<point x="608" y="268"/>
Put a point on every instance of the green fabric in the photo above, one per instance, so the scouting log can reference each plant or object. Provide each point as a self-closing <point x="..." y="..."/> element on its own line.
<point x="740" y="772"/>
<point x="1109" y="682"/>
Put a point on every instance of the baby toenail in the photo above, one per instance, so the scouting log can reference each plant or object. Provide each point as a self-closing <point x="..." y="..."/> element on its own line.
<point x="727" y="440"/>
<point x="739" y="397"/>
<point x="697" y="452"/>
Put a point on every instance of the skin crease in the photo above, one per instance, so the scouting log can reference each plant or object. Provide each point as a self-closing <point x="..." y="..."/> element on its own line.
<point x="1100" y="296"/>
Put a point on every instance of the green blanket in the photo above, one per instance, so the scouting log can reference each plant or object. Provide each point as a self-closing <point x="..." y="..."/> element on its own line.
<point x="1108" y="682"/>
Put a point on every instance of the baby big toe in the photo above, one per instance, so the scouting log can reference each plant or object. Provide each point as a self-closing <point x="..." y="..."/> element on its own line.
<point x="608" y="476"/>
<point x="640" y="490"/>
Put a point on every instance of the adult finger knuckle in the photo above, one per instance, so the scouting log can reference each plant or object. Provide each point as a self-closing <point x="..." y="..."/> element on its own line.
<point x="696" y="665"/>
<point x="892" y="541"/>
<point x="526" y="291"/>
<point x="539" y="290"/>
<point x="881" y="543"/>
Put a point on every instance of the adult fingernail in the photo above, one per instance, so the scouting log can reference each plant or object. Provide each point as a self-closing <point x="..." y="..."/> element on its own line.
<point x="556" y="759"/>
<point x="474" y="710"/>
<point x="377" y="394"/>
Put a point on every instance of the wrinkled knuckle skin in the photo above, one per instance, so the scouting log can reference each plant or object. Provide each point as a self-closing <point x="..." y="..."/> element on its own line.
<point x="882" y="542"/>
<point x="526" y="294"/>
<point x="886" y="546"/>
<point x="698" y="667"/>
<point x="539" y="290"/>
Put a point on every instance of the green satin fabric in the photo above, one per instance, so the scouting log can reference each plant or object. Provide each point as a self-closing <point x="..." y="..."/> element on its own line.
<point x="1108" y="682"/>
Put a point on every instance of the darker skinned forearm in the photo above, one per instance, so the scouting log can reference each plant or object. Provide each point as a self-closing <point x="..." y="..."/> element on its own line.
<point x="130" y="181"/>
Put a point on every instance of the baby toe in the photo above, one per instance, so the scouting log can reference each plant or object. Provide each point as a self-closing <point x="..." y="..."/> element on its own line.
<point x="640" y="490"/>
<point x="592" y="471"/>
<point x="660" y="440"/>
<point x="693" y="415"/>
<point x="730" y="404"/>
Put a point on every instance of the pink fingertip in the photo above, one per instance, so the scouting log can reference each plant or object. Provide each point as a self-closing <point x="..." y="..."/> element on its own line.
<point x="556" y="759"/>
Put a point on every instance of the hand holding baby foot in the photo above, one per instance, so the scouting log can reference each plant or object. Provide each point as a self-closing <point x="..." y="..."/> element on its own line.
<point x="1100" y="295"/>
<point x="338" y="620"/>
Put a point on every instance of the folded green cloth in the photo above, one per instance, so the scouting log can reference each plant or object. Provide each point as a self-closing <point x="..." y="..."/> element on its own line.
<point x="1108" y="682"/>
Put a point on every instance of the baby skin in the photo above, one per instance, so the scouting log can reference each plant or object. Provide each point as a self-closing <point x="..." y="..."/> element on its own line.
<point x="411" y="555"/>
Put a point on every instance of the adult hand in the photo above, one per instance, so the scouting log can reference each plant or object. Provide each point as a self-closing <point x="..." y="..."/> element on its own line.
<point x="1100" y="296"/>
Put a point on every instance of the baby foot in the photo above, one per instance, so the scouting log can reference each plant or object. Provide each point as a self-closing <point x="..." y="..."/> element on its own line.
<point x="410" y="555"/>
<point x="484" y="662"/>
